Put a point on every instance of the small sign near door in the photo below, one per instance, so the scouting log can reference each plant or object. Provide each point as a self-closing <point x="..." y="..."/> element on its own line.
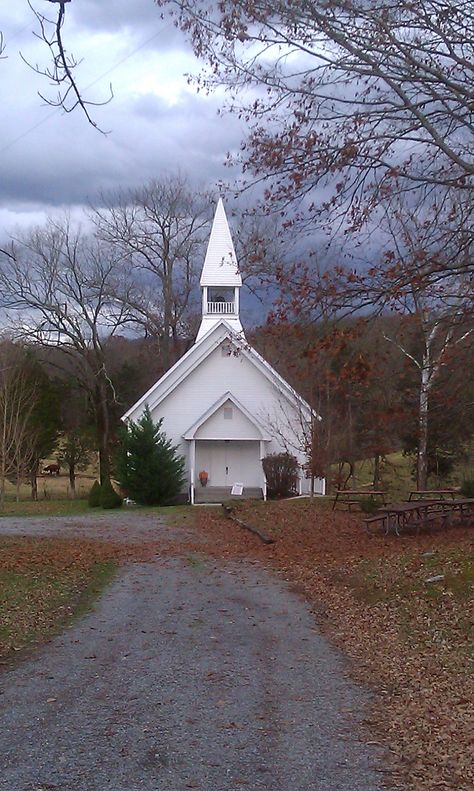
<point x="237" y="489"/>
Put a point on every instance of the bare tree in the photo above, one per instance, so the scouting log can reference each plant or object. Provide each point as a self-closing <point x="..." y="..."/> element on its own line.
<point x="74" y="452"/>
<point x="17" y="402"/>
<point x="348" y="101"/>
<point x="261" y="249"/>
<point x="439" y="312"/>
<point x="60" y="288"/>
<point x="161" y="227"/>
<point x="439" y="328"/>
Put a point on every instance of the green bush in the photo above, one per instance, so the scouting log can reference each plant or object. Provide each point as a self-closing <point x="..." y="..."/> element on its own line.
<point x="109" y="497"/>
<point x="281" y="472"/>
<point x="94" y="495"/>
<point x="467" y="488"/>
<point x="148" y="467"/>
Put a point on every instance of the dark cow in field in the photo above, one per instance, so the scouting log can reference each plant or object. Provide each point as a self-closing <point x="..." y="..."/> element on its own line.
<point x="52" y="469"/>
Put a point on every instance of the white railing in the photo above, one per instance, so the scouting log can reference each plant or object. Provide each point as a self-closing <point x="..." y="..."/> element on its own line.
<point x="220" y="307"/>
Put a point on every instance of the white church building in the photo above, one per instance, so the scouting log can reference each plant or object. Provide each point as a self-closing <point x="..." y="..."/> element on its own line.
<point x="222" y="404"/>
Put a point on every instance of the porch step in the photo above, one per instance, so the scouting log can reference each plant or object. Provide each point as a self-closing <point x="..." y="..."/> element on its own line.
<point x="220" y="494"/>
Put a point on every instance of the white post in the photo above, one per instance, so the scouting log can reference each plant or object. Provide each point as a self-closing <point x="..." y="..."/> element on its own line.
<point x="204" y="300"/>
<point x="192" y="465"/>
<point x="236" y="300"/>
<point x="264" y="480"/>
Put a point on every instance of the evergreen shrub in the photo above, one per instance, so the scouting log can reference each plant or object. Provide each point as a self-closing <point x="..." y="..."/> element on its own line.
<point x="148" y="467"/>
<point x="94" y="495"/>
<point x="109" y="497"/>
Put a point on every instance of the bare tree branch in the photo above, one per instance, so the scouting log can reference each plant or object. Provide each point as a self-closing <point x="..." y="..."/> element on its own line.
<point x="63" y="65"/>
<point x="61" y="289"/>
<point x="348" y="101"/>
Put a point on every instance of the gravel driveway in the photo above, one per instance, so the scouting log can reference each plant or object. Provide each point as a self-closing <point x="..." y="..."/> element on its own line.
<point x="188" y="674"/>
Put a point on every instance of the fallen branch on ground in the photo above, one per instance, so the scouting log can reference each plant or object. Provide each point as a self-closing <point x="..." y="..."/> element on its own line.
<point x="229" y="512"/>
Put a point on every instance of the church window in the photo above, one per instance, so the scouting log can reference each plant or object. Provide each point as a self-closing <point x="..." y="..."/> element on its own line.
<point x="227" y="413"/>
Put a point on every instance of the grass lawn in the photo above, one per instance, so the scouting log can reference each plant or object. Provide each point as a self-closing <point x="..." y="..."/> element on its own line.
<point x="46" y="582"/>
<point x="398" y="476"/>
<point x="411" y="639"/>
<point x="60" y="507"/>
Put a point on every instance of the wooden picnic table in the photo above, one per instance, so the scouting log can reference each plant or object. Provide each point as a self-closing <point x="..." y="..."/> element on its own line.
<point x="420" y="513"/>
<point x="352" y="497"/>
<point x="438" y="494"/>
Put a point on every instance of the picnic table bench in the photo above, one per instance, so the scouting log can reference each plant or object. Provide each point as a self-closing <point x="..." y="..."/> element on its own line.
<point x="352" y="497"/>
<point x="421" y="513"/>
<point x="438" y="494"/>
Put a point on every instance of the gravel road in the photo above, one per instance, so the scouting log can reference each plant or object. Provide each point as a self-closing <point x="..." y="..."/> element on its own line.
<point x="124" y="526"/>
<point x="188" y="674"/>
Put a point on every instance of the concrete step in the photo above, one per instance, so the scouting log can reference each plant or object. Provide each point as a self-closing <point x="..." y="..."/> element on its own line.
<point x="220" y="494"/>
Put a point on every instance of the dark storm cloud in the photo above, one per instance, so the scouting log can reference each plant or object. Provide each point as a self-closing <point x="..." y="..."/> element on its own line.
<point x="149" y="138"/>
<point x="49" y="159"/>
<point x="140" y="18"/>
<point x="111" y="17"/>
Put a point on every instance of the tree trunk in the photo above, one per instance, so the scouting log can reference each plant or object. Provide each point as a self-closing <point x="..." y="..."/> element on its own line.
<point x="422" y="455"/>
<point x="34" y="481"/>
<point x="101" y="408"/>
<point x="72" y="481"/>
<point x="2" y="480"/>
<point x="376" y="480"/>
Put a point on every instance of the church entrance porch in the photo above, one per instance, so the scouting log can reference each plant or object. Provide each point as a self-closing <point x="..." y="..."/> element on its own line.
<point x="229" y="461"/>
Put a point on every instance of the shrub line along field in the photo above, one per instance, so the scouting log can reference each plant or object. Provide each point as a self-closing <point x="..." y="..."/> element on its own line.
<point x="399" y="608"/>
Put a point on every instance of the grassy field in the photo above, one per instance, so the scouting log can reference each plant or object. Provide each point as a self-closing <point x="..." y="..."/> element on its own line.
<point x="61" y="507"/>
<point x="52" y="487"/>
<point x="398" y="475"/>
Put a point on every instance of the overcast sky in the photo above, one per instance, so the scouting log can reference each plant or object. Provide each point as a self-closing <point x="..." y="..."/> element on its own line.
<point x="157" y="122"/>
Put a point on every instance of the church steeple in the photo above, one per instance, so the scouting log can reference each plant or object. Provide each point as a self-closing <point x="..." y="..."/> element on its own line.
<point x="220" y="278"/>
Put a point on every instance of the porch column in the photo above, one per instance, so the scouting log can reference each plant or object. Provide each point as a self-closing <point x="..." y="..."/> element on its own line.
<point x="264" y="480"/>
<point x="192" y="466"/>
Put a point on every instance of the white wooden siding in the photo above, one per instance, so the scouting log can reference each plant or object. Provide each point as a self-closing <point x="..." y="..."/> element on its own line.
<point x="220" y="373"/>
<point x="218" y="427"/>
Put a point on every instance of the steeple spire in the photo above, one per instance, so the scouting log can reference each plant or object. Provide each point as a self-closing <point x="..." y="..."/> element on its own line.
<point x="220" y="277"/>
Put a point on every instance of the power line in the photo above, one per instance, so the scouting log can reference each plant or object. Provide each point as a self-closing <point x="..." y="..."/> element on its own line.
<point x="91" y="85"/>
<point x="11" y="37"/>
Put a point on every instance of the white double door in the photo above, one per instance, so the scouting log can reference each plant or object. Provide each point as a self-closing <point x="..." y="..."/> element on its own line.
<point x="229" y="462"/>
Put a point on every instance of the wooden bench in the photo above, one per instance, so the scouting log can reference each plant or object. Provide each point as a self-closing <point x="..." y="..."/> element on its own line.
<point x="351" y="497"/>
<point x="419" y="514"/>
<point x="432" y="494"/>
<point x="375" y="520"/>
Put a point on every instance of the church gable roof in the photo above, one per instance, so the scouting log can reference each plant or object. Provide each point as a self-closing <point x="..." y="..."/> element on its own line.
<point x="219" y="333"/>
<point x="220" y="265"/>
<point x="226" y="400"/>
